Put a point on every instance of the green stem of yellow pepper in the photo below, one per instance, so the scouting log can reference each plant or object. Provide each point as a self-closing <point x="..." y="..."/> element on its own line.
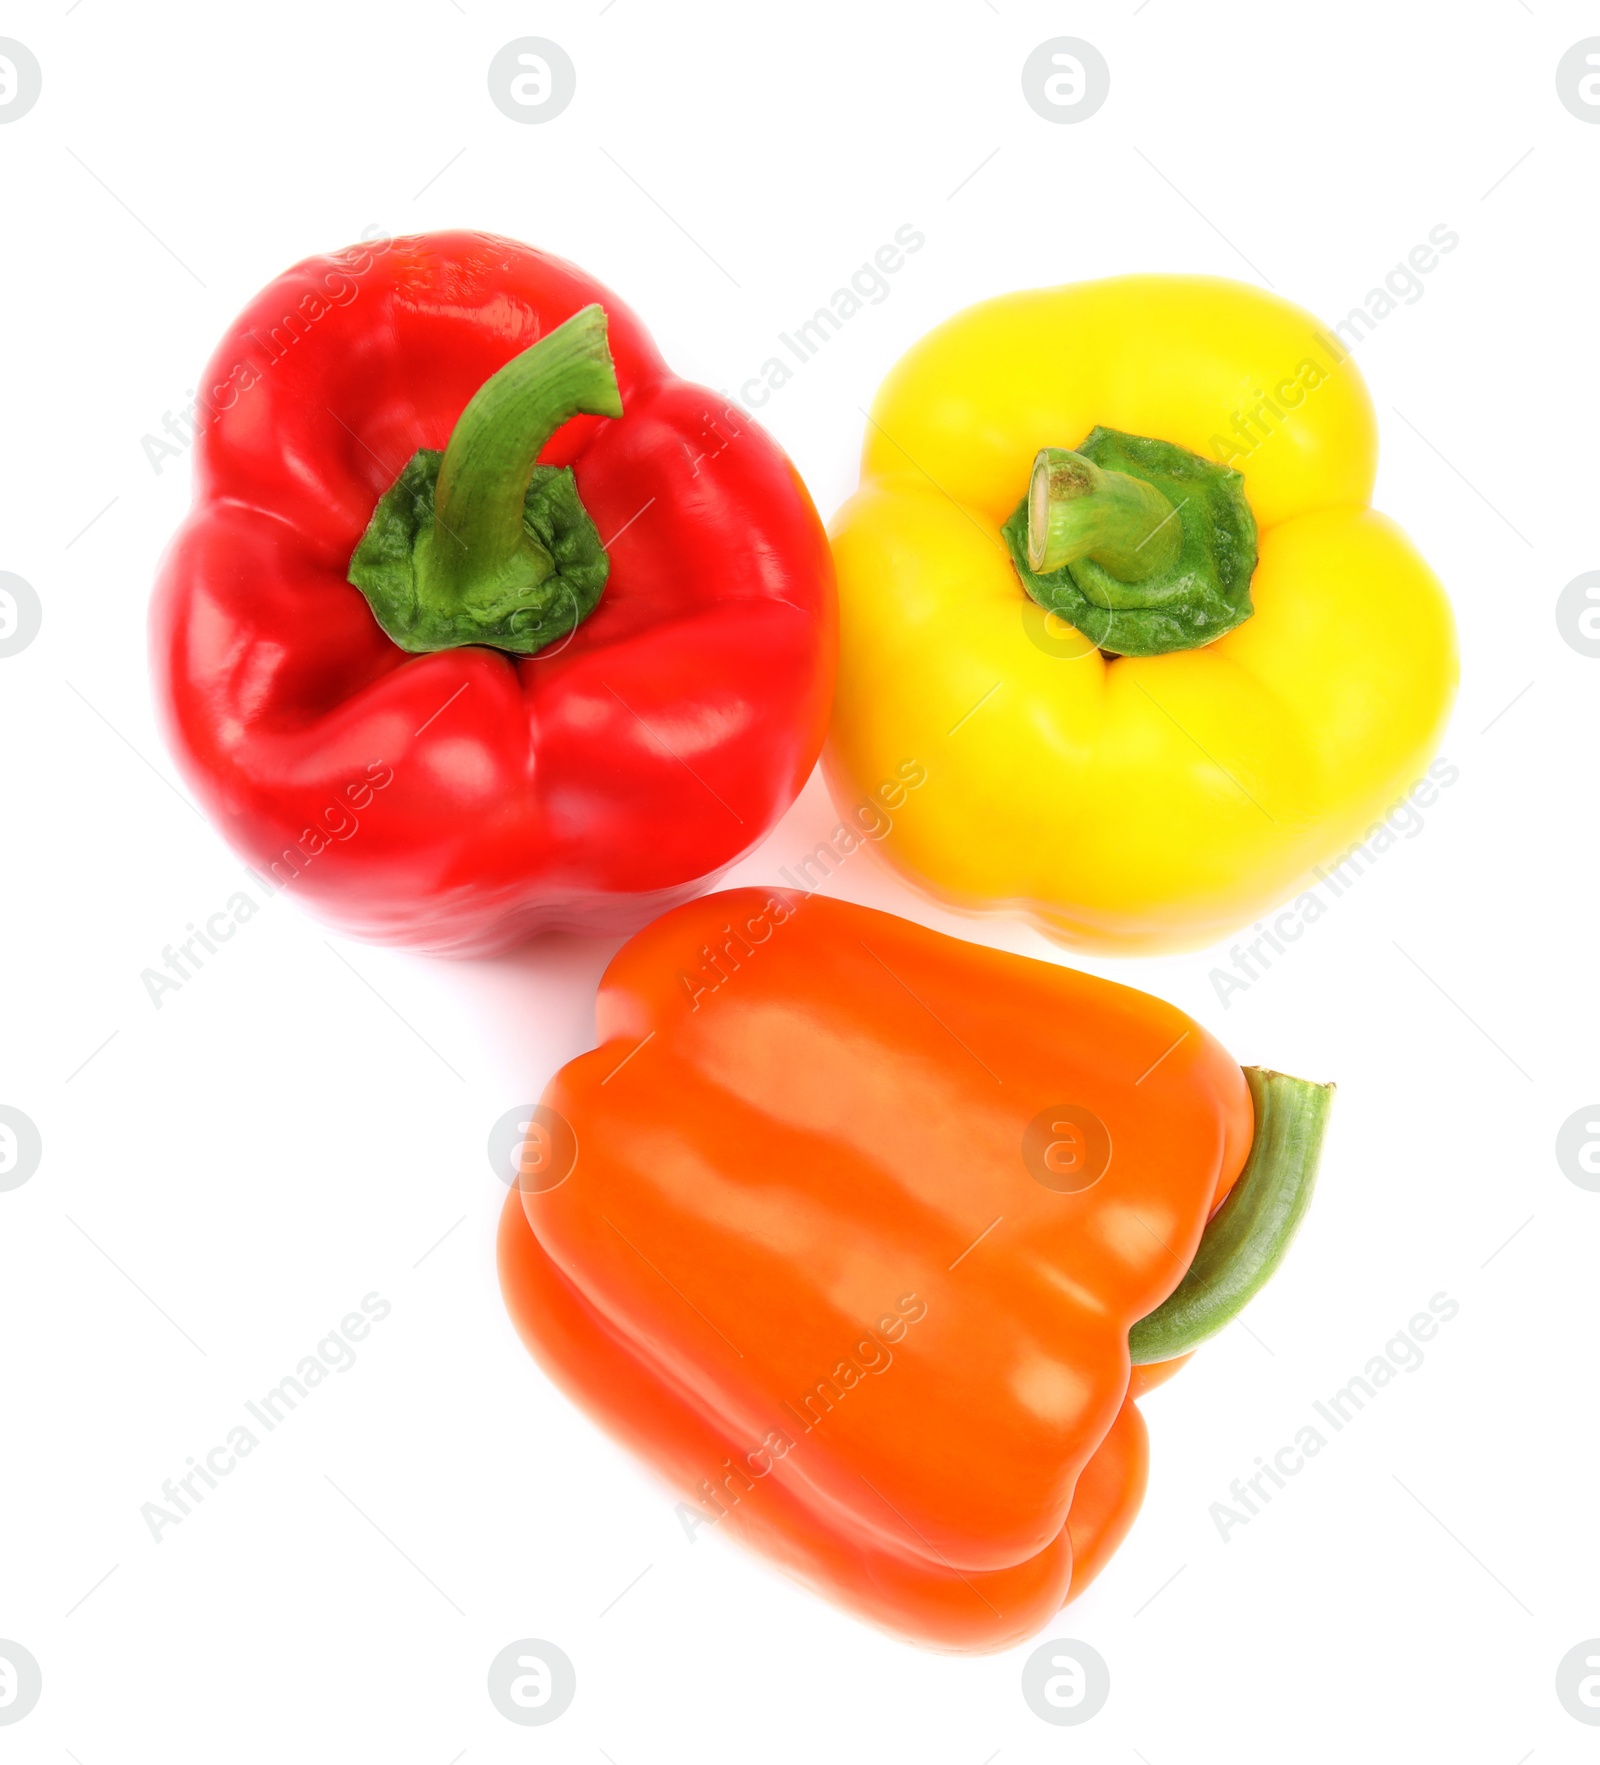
<point x="1143" y="545"/>
<point x="1076" y="510"/>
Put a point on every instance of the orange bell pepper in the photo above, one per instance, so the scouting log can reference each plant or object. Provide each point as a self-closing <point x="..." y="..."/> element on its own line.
<point x="857" y="1233"/>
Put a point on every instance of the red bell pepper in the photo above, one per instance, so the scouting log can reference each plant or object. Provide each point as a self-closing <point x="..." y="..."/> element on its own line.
<point x="590" y="690"/>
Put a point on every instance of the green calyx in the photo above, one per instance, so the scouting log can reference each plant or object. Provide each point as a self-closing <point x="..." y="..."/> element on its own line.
<point x="480" y="544"/>
<point x="1142" y="545"/>
<point x="1247" y="1237"/>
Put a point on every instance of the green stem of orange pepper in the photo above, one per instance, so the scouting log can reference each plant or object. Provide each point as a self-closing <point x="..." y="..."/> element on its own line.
<point x="1248" y="1236"/>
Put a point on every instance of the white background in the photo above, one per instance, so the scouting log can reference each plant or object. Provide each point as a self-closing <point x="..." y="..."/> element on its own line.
<point x="305" y="1121"/>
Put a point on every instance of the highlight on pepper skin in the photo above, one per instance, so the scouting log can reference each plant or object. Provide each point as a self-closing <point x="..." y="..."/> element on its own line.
<point x="1111" y="571"/>
<point x="868" y="1239"/>
<point x="472" y="536"/>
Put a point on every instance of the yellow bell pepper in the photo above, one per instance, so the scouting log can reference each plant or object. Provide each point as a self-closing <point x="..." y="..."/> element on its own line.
<point x="1160" y="798"/>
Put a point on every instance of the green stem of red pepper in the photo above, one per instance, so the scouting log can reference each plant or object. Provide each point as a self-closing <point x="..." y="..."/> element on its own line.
<point x="1248" y="1236"/>
<point x="481" y="544"/>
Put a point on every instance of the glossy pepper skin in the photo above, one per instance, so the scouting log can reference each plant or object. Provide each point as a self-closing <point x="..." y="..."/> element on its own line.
<point x="778" y="1234"/>
<point x="1130" y="802"/>
<point x="464" y="800"/>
